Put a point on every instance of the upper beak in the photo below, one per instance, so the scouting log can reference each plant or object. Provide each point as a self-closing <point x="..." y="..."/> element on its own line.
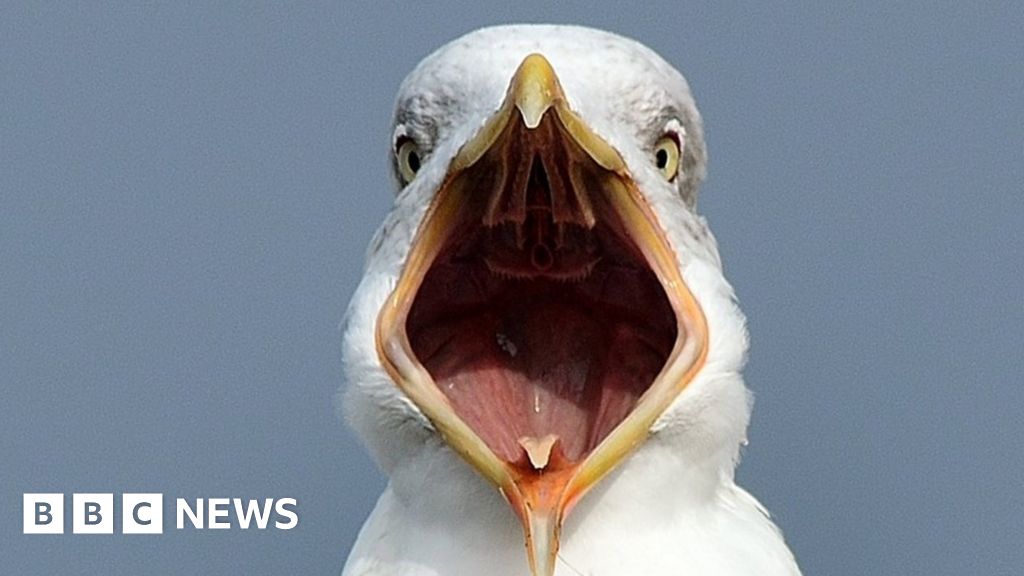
<point x="542" y="495"/>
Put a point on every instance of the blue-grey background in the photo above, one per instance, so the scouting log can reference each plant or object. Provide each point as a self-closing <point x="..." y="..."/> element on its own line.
<point x="186" y="194"/>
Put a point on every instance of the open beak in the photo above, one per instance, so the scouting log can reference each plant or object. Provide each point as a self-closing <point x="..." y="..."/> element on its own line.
<point x="538" y="228"/>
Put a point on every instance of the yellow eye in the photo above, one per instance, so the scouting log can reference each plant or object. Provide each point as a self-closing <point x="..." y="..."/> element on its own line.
<point x="666" y="156"/>
<point x="409" y="159"/>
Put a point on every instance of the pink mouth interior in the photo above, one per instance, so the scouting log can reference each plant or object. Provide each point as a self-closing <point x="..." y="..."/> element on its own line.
<point x="538" y="325"/>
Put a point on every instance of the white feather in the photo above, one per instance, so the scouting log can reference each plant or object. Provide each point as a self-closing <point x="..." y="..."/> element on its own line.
<point x="671" y="508"/>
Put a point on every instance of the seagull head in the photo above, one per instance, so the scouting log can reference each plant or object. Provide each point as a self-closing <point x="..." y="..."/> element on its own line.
<point x="543" y="299"/>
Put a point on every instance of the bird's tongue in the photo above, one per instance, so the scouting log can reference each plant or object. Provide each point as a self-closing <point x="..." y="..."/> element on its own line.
<point x="540" y="372"/>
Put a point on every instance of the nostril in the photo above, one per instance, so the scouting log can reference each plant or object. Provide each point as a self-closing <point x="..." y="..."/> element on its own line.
<point x="541" y="257"/>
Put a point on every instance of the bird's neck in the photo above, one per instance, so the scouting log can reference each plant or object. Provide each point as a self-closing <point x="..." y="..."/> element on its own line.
<point x="671" y="507"/>
<point x="440" y="517"/>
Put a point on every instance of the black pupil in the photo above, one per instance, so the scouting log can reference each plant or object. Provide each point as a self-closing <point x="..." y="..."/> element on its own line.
<point x="662" y="158"/>
<point x="414" y="161"/>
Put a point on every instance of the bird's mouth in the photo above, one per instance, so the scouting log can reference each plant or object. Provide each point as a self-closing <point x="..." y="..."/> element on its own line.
<point x="541" y="321"/>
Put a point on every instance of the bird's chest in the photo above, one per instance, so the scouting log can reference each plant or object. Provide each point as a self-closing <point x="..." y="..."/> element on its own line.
<point x="485" y="540"/>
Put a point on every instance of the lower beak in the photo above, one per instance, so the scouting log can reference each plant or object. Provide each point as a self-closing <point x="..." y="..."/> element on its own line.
<point x="536" y="117"/>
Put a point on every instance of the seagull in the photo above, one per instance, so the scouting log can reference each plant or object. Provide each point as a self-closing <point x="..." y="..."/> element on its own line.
<point x="543" y="354"/>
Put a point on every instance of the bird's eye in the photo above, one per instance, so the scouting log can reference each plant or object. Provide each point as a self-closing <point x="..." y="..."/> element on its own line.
<point x="409" y="159"/>
<point x="666" y="156"/>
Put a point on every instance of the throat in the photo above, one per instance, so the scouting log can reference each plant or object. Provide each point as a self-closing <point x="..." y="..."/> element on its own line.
<point x="541" y="369"/>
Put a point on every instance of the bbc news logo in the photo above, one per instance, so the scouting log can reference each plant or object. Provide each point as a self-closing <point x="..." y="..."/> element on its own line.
<point x="93" y="513"/>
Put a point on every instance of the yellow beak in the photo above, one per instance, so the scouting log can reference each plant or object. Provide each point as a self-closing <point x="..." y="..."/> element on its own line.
<point x="542" y="496"/>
